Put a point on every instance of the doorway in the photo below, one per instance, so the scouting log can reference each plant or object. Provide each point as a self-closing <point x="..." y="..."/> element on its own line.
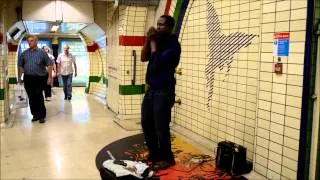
<point x="77" y="49"/>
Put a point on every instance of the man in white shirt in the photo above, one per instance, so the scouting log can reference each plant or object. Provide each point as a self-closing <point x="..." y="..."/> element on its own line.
<point x="65" y="69"/>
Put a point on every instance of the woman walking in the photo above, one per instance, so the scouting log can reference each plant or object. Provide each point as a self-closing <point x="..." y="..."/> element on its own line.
<point x="47" y="89"/>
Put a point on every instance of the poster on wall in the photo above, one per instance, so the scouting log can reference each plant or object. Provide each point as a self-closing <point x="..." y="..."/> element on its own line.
<point x="281" y="44"/>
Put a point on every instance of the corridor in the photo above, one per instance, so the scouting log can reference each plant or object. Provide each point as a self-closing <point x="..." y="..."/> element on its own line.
<point x="65" y="146"/>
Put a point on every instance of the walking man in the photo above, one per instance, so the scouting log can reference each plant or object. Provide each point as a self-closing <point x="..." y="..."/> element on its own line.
<point x="34" y="63"/>
<point x="65" y="61"/>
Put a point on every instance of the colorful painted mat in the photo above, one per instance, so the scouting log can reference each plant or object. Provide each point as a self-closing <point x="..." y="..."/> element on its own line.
<point x="190" y="162"/>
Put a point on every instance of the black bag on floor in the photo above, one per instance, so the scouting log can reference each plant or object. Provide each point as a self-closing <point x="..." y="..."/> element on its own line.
<point x="232" y="158"/>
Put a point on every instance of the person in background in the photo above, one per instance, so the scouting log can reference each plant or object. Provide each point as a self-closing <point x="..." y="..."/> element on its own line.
<point x="65" y="61"/>
<point x="47" y="89"/>
<point x="162" y="51"/>
<point x="37" y="68"/>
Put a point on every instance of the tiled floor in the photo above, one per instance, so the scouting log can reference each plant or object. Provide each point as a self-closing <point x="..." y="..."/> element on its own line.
<point x="65" y="146"/>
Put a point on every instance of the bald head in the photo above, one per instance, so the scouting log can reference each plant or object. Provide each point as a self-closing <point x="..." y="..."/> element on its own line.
<point x="66" y="49"/>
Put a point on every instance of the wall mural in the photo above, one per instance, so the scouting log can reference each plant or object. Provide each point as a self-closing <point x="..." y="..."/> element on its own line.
<point x="222" y="49"/>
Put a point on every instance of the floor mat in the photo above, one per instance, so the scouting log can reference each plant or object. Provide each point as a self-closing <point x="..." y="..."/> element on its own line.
<point x="129" y="125"/>
<point x="190" y="162"/>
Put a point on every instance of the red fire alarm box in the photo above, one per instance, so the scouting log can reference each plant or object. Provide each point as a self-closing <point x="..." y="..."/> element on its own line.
<point x="278" y="67"/>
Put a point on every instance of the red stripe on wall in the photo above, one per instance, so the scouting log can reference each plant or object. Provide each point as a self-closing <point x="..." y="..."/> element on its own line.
<point x="166" y="11"/>
<point x="132" y="40"/>
<point x="93" y="47"/>
<point x="12" y="47"/>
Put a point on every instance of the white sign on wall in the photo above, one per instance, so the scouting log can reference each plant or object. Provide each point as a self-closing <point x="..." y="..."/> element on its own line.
<point x="281" y="44"/>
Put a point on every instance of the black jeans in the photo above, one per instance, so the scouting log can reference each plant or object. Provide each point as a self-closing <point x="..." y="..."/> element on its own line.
<point x="34" y="86"/>
<point x="155" y="120"/>
<point x="47" y="89"/>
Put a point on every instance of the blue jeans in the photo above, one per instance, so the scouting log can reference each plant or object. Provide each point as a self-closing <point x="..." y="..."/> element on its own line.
<point x="155" y="120"/>
<point x="67" y="85"/>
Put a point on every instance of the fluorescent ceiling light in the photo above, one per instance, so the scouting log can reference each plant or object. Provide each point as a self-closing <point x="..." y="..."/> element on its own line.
<point x="37" y="26"/>
<point x="54" y="28"/>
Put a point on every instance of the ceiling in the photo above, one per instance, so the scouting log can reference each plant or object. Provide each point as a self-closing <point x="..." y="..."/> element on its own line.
<point x="41" y="17"/>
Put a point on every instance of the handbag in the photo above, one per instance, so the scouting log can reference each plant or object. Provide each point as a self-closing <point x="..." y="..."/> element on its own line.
<point x="232" y="158"/>
<point x="21" y="97"/>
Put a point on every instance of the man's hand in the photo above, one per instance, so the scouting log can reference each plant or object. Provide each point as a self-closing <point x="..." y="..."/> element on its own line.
<point x="49" y="81"/>
<point x="153" y="46"/>
<point x="151" y="32"/>
<point x="75" y="74"/>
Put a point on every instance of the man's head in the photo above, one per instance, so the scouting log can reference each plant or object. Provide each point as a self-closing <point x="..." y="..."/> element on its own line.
<point x="32" y="41"/>
<point x="66" y="49"/>
<point x="165" y="24"/>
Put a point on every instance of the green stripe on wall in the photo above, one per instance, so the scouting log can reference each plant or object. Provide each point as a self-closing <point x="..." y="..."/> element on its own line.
<point x="131" y="89"/>
<point x="177" y="12"/>
<point x="105" y="81"/>
<point x="1" y="94"/>
<point x="94" y="79"/>
<point x="87" y="89"/>
<point x="12" y="80"/>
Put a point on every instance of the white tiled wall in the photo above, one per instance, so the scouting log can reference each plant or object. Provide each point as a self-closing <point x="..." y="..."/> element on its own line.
<point x="113" y="59"/>
<point x="160" y="10"/>
<point x="131" y="109"/>
<point x="100" y="88"/>
<point x="96" y="65"/>
<point x="250" y="105"/>
<point x="12" y="70"/>
<point x="279" y="101"/>
<point x="134" y="20"/>
<point x="98" y="68"/>
<point x="4" y="108"/>
<point x="126" y="65"/>
<point x="232" y="115"/>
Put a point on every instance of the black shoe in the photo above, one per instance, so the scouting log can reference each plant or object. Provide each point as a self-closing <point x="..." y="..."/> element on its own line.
<point x="69" y="98"/>
<point x="65" y="98"/>
<point x="34" y="119"/>
<point x="163" y="165"/>
<point x="42" y="121"/>
<point x="150" y="159"/>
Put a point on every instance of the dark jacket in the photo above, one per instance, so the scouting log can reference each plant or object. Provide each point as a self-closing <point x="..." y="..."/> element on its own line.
<point x="162" y="64"/>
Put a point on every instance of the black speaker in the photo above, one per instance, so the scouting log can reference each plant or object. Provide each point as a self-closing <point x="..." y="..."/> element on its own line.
<point x="232" y="158"/>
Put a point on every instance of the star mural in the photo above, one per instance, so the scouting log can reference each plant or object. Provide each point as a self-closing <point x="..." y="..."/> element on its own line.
<point x="222" y="48"/>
